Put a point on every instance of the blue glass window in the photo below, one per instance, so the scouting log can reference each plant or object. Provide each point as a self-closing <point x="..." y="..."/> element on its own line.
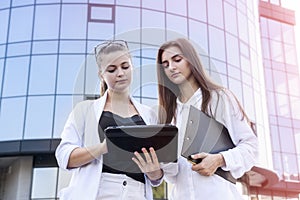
<point x="198" y="34"/>
<point x="46" y="24"/>
<point x="63" y="108"/>
<point x="157" y="4"/>
<point x="124" y="26"/>
<point x="230" y="18"/>
<point x="15" y="77"/>
<point x="3" y="25"/>
<point x="12" y="118"/>
<point x="44" y="47"/>
<point x="197" y="10"/>
<point x="21" y="19"/>
<point x="99" y="31"/>
<point x="19" y="49"/>
<point x="68" y="30"/>
<point x="215" y="13"/>
<point x="216" y="43"/>
<point x="42" y="74"/>
<point x="172" y="7"/>
<point x="39" y="117"/>
<point x="176" y="26"/>
<point x="232" y="50"/>
<point x="70" y="74"/>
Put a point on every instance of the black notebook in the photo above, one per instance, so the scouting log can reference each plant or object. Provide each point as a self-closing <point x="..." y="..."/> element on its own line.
<point x="205" y="134"/>
<point x="122" y="141"/>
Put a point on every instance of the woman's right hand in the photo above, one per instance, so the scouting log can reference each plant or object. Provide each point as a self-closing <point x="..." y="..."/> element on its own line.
<point x="150" y="166"/>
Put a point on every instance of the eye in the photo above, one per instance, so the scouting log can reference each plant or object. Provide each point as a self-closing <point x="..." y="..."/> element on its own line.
<point x="165" y="64"/>
<point x="177" y="59"/>
<point x="125" y="66"/>
<point x="111" y="69"/>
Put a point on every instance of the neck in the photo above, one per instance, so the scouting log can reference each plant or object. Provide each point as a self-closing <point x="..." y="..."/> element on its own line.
<point x="187" y="90"/>
<point x="118" y="96"/>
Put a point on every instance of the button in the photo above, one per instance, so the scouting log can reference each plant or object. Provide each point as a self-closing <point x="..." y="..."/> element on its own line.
<point x="191" y="121"/>
<point x="124" y="183"/>
<point x="187" y="138"/>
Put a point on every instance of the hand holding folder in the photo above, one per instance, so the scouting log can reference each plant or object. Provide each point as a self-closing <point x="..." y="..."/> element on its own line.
<point x="205" y="134"/>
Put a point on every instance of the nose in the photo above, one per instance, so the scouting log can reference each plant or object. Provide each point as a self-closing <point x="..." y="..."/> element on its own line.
<point x="120" y="71"/>
<point x="172" y="66"/>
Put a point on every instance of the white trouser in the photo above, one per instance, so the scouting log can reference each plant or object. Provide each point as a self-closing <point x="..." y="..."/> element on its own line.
<point x="120" y="187"/>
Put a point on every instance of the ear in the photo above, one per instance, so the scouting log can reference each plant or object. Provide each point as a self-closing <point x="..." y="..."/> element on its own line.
<point x="99" y="74"/>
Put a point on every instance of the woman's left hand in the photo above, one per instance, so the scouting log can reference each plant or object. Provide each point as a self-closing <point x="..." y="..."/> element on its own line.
<point x="209" y="163"/>
<point x="150" y="166"/>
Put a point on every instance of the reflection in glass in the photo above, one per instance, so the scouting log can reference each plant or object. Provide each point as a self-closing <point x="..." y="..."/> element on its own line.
<point x="46" y="20"/>
<point x="15" y="77"/>
<point x="21" y="19"/>
<point x="12" y="118"/>
<point x="39" y="117"/>
<point x="42" y="74"/>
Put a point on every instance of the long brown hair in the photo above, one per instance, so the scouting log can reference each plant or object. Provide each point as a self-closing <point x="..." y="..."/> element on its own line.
<point x="168" y="91"/>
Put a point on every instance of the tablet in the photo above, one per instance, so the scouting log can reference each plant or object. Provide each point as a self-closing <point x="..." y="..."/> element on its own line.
<point x="122" y="141"/>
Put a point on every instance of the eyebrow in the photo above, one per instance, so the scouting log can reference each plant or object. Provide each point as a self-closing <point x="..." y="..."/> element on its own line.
<point x="173" y="57"/>
<point x="125" y="62"/>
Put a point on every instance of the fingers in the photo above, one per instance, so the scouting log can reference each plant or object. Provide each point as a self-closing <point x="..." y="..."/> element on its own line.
<point x="147" y="156"/>
<point x="153" y="155"/>
<point x="199" y="155"/>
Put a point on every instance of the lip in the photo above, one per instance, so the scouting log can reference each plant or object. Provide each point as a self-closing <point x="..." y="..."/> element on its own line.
<point x="174" y="75"/>
<point x="121" y="81"/>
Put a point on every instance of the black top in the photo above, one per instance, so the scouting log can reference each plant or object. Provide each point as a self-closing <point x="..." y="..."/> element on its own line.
<point x="110" y="119"/>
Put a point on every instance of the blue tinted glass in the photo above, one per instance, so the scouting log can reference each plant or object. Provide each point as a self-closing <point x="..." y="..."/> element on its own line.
<point x="92" y="81"/>
<point x="43" y="47"/>
<point x="157" y="4"/>
<point x="63" y="108"/>
<point x="128" y="3"/>
<point x="216" y="43"/>
<point x="42" y="75"/>
<point x="12" y="118"/>
<point x="18" y="49"/>
<point x="46" y="22"/>
<point x="197" y="10"/>
<point x="232" y="50"/>
<point x="22" y="2"/>
<point x="72" y="47"/>
<point x="1" y="73"/>
<point x="2" y="51"/>
<point x="230" y="18"/>
<point x="243" y="27"/>
<point x="39" y="117"/>
<point x="70" y="74"/>
<point x="172" y="7"/>
<point x="15" y="77"/>
<point x="198" y="34"/>
<point x="4" y="3"/>
<point x="215" y="13"/>
<point x="3" y="25"/>
<point x="123" y="25"/>
<point x="21" y="24"/>
<point x="68" y="29"/>
<point x="99" y="31"/>
<point x="177" y="26"/>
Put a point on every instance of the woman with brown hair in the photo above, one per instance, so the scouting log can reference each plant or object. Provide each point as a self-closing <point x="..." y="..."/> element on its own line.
<point x="183" y="83"/>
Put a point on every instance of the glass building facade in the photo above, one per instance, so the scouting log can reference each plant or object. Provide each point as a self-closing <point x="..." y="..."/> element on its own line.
<point x="47" y="66"/>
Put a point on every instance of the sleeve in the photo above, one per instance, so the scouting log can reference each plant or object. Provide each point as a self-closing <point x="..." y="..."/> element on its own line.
<point x="71" y="137"/>
<point x="243" y="157"/>
<point x="169" y="170"/>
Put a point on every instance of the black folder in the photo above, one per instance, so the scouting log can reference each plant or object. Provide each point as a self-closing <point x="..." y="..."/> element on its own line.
<point x="205" y="134"/>
<point x="122" y="141"/>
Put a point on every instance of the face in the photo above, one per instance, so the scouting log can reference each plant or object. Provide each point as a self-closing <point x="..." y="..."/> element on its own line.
<point x="116" y="70"/>
<point x="175" y="66"/>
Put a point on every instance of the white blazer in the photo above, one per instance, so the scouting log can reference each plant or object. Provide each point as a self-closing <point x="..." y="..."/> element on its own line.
<point x="81" y="129"/>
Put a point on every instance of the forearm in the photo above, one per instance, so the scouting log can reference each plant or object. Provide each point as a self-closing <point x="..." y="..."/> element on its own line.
<point x="84" y="155"/>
